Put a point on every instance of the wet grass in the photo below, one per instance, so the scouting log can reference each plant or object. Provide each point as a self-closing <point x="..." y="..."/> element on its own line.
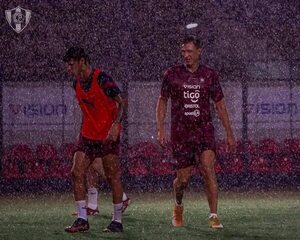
<point x="245" y="215"/>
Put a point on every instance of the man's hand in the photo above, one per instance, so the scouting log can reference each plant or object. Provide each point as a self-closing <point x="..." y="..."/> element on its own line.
<point x="114" y="131"/>
<point x="231" y="143"/>
<point x="161" y="137"/>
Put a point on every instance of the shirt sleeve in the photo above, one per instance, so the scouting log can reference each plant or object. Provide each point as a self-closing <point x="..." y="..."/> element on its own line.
<point x="108" y="85"/>
<point x="165" y="87"/>
<point x="216" y="92"/>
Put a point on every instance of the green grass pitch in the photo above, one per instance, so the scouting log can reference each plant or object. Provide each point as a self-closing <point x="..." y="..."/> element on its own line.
<point x="245" y="215"/>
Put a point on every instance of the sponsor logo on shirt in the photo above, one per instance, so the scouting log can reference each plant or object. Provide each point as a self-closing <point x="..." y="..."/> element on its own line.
<point x="187" y="86"/>
<point x="193" y="96"/>
<point x="191" y="106"/>
<point x="195" y="113"/>
<point x="192" y="93"/>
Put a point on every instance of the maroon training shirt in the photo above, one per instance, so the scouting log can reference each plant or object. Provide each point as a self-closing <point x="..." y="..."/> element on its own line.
<point x="190" y="95"/>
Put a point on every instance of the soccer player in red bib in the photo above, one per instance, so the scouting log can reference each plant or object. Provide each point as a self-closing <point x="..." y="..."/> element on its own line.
<point x="190" y="87"/>
<point x="102" y="106"/>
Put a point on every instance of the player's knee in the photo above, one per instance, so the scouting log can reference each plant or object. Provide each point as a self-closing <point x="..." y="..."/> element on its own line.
<point x="184" y="183"/>
<point x="182" y="180"/>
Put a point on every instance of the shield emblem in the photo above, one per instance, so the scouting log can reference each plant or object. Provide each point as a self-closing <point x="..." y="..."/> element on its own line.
<point x="18" y="18"/>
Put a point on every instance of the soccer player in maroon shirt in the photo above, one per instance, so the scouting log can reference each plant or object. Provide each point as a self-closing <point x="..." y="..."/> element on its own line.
<point x="190" y="87"/>
<point x="102" y="106"/>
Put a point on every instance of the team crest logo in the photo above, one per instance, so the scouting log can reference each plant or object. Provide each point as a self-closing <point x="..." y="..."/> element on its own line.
<point x="18" y="18"/>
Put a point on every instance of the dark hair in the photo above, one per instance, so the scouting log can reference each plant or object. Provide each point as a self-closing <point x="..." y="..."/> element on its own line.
<point x="76" y="53"/>
<point x="192" y="39"/>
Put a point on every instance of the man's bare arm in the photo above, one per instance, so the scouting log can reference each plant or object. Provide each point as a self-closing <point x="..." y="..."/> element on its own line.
<point x="114" y="131"/>
<point x="161" y="110"/>
<point x="121" y="106"/>
<point x="223" y="115"/>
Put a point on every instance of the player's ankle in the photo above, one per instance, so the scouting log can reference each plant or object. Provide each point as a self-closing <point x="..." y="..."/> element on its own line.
<point x="92" y="206"/>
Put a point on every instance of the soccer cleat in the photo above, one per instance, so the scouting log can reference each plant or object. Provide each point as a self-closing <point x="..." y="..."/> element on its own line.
<point x="215" y="223"/>
<point x="177" y="219"/>
<point x="126" y="203"/>
<point x="114" y="227"/>
<point x="80" y="225"/>
<point x="90" y="212"/>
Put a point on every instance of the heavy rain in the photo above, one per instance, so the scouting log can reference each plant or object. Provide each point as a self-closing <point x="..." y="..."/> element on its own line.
<point x="207" y="141"/>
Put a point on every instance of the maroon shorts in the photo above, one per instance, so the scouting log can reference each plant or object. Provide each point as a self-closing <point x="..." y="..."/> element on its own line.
<point x="97" y="149"/>
<point x="185" y="151"/>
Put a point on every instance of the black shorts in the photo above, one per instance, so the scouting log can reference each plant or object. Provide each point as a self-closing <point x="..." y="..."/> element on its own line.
<point x="97" y="149"/>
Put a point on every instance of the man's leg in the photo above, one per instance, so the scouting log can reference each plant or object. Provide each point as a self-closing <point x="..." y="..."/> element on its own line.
<point x="95" y="173"/>
<point x="97" y="165"/>
<point x="93" y="179"/>
<point x="207" y="160"/>
<point x="79" y="169"/>
<point x="112" y="172"/>
<point x="180" y="183"/>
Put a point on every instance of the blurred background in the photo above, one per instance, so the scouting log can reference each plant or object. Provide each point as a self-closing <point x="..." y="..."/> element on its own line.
<point x="253" y="45"/>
